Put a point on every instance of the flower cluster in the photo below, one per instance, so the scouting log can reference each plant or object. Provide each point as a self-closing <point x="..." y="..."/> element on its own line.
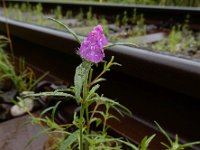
<point x="92" y="47"/>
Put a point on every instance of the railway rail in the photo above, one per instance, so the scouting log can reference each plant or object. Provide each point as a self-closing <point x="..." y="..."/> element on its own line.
<point x="153" y="86"/>
<point x="154" y="14"/>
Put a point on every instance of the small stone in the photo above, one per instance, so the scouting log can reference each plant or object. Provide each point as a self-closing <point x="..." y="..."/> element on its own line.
<point x="20" y="109"/>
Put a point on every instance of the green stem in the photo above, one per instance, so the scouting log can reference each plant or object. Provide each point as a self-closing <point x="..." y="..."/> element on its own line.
<point x="81" y="126"/>
<point x="86" y="89"/>
<point x="104" y="124"/>
<point x="87" y="118"/>
<point x="105" y="119"/>
<point x="8" y="30"/>
<point x="84" y="109"/>
<point x="91" y="83"/>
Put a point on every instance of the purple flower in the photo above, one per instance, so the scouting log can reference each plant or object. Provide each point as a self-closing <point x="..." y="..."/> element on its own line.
<point x="92" y="47"/>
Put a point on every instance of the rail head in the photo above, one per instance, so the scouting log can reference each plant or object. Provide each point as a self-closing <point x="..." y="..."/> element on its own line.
<point x="110" y="5"/>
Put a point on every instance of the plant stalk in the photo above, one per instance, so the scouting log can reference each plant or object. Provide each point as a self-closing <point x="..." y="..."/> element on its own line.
<point x="8" y="30"/>
<point x="81" y="127"/>
<point x="87" y="118"/>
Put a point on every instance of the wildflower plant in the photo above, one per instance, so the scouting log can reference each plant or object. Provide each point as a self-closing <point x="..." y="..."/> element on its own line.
<point x="3" y="41"/>
<point x="94" y="107"/>
<point x="84" y="92"/>
<point x="175" y="145"/>
<point x="24" y="79"/>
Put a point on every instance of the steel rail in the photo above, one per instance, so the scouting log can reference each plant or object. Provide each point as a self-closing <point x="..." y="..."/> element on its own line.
<point x="169" y="71"/>
<point x="153" y="14"/>
<point x="154" y="86"/>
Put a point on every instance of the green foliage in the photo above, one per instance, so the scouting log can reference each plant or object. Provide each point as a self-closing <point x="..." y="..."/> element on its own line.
<point x="117" y="21"/>
<point x="24" y="7"/>
<point x="85" y="93"/>
<point x="104" y="23"/>
<point x="134" y="17"/>
<point x="18" y="13"/>
<point x="80" y="79"/>
<point x="144" y="143"/>
<point x="69" y="14"/>
<point x="80" y="15"/>
<point x="174" y="38"/>
<point x="73" y="137"/>
<point x="24" y="79"/>
<point x="89" y="14"/>
<point x="94" y="110"/>
<point x="91" y="18"/>
<point x="125" y="19"/>
<point x="6" y="69"/>
<point x="180" y="40"/>
<point x="38" y="9"/>
<point x="140" y="28"/>
<point x="3" y="42"/>
<point x="38" y="14"/>
<point x="89" y="97"/>
<point x="175" y="145"/>
<point x="58" y="13"/>
<point x="68" y="29"/>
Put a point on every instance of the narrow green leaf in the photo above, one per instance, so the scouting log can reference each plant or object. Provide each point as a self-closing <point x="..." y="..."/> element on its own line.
<point x="146" y="141"/>
<point x="46" y="110"/>
<point x="113" y="117"/>
<point x="115" y="103"/>
<point x="167" y="146"/>
<point x="164" y="132"/>
<point x="189" y="144"/>
<point x="118" y="110"/>
<point x="92" y="91"/>
<point x="115" y="44"/>
<point x="54" y="110"/>
<point x="98" y="122"/>
<point x="128" y="144"/>
<point x="80" y="78"/>
<point x="70" y="140"/>
<point x="38" y="80"/>
<point x="67" y="28"/>
<point x="55" y="93"/>
<point x="99" y="80"/>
